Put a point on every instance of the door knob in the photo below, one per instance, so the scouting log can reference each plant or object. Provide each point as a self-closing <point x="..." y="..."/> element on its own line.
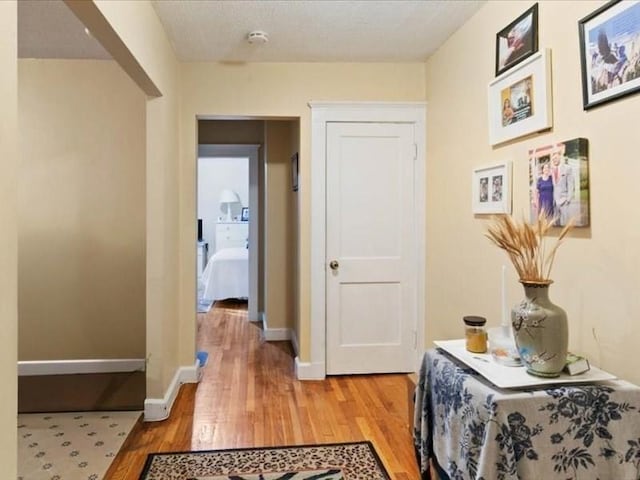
<point x="334" y="264"/>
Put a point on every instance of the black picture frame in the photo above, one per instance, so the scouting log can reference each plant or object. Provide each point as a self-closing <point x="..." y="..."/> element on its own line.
<point x="606" y="35"/>
<point x="517" y="41"/>
<point x="294" y="172"/>
<point x="244" y="217"/>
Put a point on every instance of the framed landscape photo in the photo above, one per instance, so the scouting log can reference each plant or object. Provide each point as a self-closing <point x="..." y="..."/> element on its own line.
<point x="491" y="189"/>
<point x="559" y="182"/>
<point x="520" y="100"/>
<point x="610" y="52"/>
<point x="517" y="41"/>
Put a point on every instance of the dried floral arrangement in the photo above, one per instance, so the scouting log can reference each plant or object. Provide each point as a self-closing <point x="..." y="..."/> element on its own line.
<point x="525" y="245"/>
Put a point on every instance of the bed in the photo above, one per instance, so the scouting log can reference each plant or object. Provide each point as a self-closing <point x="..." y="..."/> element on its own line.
<point x="227" y="274"/>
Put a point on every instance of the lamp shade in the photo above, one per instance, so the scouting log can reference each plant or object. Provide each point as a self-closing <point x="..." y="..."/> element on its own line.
<point x="229" y="196"/>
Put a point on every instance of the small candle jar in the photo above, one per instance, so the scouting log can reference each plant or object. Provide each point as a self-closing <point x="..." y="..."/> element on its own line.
<point x="475" y="334"/>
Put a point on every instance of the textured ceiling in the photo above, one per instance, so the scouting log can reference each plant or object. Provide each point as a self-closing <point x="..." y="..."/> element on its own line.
<point x="299" y="30"/>
<point x="312" y="30"/>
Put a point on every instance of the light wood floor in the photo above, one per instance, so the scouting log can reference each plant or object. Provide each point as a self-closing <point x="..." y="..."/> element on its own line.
<point x="249" y="397"/>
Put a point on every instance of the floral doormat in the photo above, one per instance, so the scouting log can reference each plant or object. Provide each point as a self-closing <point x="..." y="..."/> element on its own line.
<point x="339" y="461"/>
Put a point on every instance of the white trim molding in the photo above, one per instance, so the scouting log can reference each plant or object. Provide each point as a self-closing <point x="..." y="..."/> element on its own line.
<point x="156" y="409"/>
<point x="274" y="334"/>
<point x="73" y="367"/>
<point x="309" y="371"/>
<point x="323" y="113"/>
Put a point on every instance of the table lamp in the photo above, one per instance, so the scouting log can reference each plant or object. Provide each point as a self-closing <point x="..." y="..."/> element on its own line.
<point x="227" y="198"/>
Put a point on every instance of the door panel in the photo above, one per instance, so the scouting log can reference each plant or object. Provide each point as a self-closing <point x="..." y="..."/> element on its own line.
<point x="371" y="295"/>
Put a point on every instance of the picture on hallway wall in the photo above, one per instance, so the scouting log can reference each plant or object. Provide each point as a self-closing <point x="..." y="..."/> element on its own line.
<point x="491" y="189"/>
<point x="519" y="101"/>
<point x="610" y="53"/>
<point x="517" y="41"/>
<point x="559" y="182"/>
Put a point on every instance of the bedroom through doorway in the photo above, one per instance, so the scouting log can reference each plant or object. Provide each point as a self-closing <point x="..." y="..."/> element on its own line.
<point x="223" y="223"/>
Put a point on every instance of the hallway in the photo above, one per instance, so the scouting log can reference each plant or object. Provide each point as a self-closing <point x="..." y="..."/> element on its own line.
<point x="249" y="396"/>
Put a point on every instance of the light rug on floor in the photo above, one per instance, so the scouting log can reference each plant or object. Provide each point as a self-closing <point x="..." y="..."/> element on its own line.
<point x="78" y="446"/>
<point x="338" y="461"/>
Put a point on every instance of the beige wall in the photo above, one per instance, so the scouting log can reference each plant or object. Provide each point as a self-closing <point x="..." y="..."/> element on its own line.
<point x="279" y="260"/>
<point x="275" y="90"/>
<point x="238" y="132"/>
<point x="294" y="232"/>
<point x="81" y="210"/>
<point x="8" y="236"/>
<point x="168" y="347"/>
<point x="596" y="271"/>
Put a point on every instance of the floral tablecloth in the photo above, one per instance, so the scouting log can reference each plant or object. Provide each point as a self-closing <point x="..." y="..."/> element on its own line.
<point x="475" y="430"/>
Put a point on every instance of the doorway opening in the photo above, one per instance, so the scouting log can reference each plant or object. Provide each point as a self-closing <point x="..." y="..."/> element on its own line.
<point x="226" y="193"/>
<point x="261" y="217"/>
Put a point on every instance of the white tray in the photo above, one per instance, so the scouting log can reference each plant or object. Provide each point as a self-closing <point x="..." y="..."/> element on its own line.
<point x="503" y="376"/>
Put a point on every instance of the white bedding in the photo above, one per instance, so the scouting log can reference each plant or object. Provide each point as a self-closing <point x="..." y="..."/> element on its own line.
<point x="227" y="274"/>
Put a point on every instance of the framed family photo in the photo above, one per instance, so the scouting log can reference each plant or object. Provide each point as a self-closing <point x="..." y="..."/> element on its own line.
<point x="517" y="41"/>
<point x="559" y="182"/>
<point x="610" y="52"/>
<point x="520" y="100"/>
<point x="491" y="189"/>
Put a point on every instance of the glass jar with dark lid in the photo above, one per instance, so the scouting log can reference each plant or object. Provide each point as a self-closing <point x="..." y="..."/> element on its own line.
<point x="475" y="333"/>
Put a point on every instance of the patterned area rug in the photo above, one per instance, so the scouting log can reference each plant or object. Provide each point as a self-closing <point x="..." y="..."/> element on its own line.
<point x="340" y="461"/>
<point x="63" y="446"/>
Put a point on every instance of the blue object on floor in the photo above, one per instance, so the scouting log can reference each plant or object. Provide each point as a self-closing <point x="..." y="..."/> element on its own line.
<point x="202" y="356"/>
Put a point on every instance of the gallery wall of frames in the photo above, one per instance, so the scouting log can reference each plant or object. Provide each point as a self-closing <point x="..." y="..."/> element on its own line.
<point x="520" y="104"/>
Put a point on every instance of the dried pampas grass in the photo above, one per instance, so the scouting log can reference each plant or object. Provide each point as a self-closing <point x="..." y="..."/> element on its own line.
<point x="525" y="245"/>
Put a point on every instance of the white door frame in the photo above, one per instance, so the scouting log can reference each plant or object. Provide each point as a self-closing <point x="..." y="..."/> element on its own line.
<point x="250" y="152"/>
<point x="321" y="114"/>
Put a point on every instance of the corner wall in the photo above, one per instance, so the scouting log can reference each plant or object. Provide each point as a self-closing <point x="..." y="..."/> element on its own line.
<point x="596" y="271"/>
<point x="81" y="211"/>
<point x="141" y="33"/>
<point x="8" y="236"/>
<point x="279" y="256"/>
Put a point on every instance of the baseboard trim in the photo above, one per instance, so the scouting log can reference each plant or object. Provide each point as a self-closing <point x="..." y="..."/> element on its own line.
<point x="277" y="334"/>
<point x="309" y="371"/>
<point x="156" y="409"/>
<point x="274" y="334"/>
<point x="73" y="367"/>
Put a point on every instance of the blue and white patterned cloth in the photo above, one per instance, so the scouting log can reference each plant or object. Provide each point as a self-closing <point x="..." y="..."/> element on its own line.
<point x="475" y="430"/>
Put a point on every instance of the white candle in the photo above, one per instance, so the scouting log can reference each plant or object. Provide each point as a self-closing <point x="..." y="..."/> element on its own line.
<point x="505" y="316"/>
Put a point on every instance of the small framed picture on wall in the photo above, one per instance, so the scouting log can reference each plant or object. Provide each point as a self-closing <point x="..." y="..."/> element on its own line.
<point x="609" y="54"/>
<point x="517" y="41"/>
<point x="491" y="189"/>
<point x="520" y="101"/>
<point x="559" y="182"/>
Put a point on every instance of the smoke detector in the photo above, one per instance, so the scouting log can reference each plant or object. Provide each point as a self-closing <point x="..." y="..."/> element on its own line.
<point x="257" y="37"/>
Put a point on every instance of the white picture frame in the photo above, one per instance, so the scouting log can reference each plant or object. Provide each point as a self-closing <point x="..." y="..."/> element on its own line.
<point x="491" y="189"/>
<point x="520" y="100"/>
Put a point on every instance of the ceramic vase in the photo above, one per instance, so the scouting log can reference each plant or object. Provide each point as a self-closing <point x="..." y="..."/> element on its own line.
<point x="540" y="331"/>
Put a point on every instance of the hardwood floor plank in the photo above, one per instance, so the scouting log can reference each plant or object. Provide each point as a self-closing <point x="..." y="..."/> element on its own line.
<point x="249" y="396"/>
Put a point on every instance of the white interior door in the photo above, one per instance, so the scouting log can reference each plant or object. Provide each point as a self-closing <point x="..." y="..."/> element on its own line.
<point x="371" y="248"/>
